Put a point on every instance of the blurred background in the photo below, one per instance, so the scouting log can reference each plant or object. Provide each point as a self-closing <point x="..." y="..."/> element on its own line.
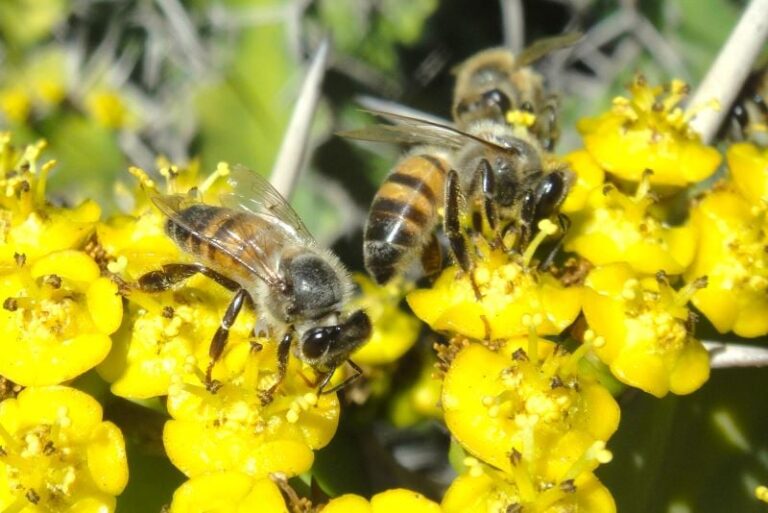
<point x="113" y="83"/>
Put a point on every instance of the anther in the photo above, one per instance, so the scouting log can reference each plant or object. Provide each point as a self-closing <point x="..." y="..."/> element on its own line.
<point x="11" y="304"/>
<point x="568" y="486"/>
<point x="54" y="280"/>
<point x="20" y="259"/>
<point x="32" y="496"/>
<point x="515" y="457"/>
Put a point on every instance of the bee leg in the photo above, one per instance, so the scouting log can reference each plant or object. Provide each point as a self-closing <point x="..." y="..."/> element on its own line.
<point x="347" y="381"/>
<point x="173" y="274"/>
<point x="283" y="352"/>
<point x="432" y="257"/>
<point x="484" y="183"/>
<point x="222" y="334"/>
<point x="548" y="130"/>
<point x="452" y="227"/>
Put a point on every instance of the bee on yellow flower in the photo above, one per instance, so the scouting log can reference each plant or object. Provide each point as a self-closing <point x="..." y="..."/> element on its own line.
<point x="512" y="294"/>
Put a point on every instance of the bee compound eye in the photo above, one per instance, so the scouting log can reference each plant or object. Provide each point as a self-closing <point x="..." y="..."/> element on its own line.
<point x="317" y="341"/>
<point x="549" y="195"/>
<point x="497" y="98"/>
<point x="357" y="327"/>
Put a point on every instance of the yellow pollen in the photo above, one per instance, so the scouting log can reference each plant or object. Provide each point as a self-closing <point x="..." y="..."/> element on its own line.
<point x="143" y="178"/>
<point x="482" y="276"/>
<point x="118" y="266"/>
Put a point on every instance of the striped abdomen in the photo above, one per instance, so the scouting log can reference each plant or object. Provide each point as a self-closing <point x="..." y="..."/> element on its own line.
<point x="403" y="214"/>
<point x="196" y="226"/>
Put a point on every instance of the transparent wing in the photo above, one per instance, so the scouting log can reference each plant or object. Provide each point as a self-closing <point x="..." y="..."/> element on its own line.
<point x="248" y="251"/>
<point x="408" y="130"/>
<point x="252" y="193"/>
<point x="542" y="47"/>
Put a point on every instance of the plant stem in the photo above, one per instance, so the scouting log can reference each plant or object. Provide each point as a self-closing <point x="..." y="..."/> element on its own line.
<point x="732" y="66"/>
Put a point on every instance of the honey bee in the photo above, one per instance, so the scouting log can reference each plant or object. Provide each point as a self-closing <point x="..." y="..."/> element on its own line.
<point x="502" y="180"/>
<point x="493" y="83"/>
<point x="256" y="245"/>
<point x="748" y="118"/>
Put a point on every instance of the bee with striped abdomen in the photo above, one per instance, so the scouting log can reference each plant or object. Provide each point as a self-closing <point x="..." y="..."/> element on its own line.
<point x="494" y="83"/>
<point x="503" y="181"/>
<point x="257" y="246"/>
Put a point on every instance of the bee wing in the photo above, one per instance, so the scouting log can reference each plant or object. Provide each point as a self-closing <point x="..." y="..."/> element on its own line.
<point x="409" y="130"/>
<point x="405" y="134"/>
<point x="252" y="193"/>
<point x="230" y="242"/>
<point x="542" y="47"/>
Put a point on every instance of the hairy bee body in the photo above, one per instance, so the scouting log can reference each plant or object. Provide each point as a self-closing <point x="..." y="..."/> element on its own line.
<point x="199" y="224"/>
<point x="404" y="212"/>
<point x="495" y="83"/>
<point x="256" y="245"/>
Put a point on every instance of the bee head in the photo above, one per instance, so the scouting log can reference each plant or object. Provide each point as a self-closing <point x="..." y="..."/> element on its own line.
<point x="327" y="347"/>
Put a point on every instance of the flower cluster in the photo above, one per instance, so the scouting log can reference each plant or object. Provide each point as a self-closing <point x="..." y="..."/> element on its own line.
<point x="58" y="314"/>
<point x="524" y="338"/>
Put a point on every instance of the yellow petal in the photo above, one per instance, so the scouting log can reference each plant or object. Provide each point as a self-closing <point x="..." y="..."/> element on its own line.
<point x="402" y="501"/>
<point x="195" y="448"/>
<point x="691" y="369"/>
<point x="348" y="503"/>
<point x="80" y="412"/>
<point x="105" y="305"/>
<point x="69" y="264"/>
<point x="33" y="364"/>
<point x="228" y="492"/>
<point x="107" y="459"/>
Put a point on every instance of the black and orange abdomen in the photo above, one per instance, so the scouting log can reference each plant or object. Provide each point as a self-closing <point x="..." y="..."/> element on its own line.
<point x="403" y="214"/>
<point x="200" y="224"/>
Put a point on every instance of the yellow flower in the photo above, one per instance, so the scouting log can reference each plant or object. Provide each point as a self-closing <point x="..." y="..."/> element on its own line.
<point x="489" y="491"/>
<point x="164" y="332"/>
<point x="589" y="176"/>
<point x="398" y="499"/>
<point x="57" y="317"/>
<point x="761" y="492"/>
<point x="15" y="103"/>
<point x="394" y="331"/>
<point x="640" y="330"/>
<point x="528" y="402"/>
<point x="732" y="255"/>
<point x="108" y="108"/>
<point x="167" y="336"/>
<point x="749" y="171"/>
<point x="28" y="225"/>
<point x="649" y="131"/>
<point x="57" y="454"/>
<point x="228" y="492"/>
<point x="513" y="296"/>
<point x="233" y="430"/>
<point x="620" y="228"/>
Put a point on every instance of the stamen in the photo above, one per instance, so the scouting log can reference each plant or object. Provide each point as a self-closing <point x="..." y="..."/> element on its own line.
<point x="546" y="228"/>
